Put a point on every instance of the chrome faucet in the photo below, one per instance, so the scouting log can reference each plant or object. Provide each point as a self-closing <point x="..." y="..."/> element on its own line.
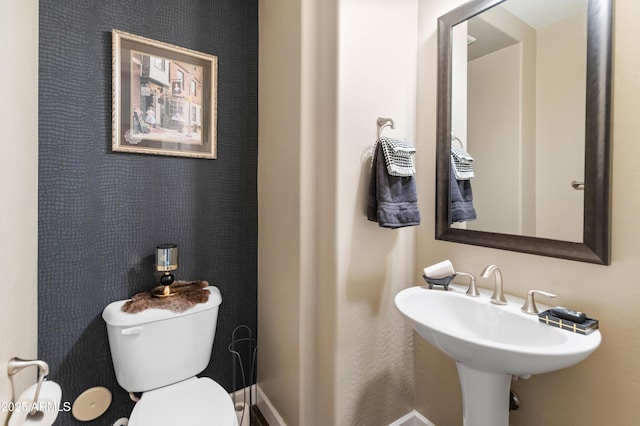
<point x="497" y="298"/>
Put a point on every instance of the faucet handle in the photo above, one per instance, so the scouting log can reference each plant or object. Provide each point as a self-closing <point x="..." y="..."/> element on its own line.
<point x="529" y="306"/>
<point x="472" y="290"/>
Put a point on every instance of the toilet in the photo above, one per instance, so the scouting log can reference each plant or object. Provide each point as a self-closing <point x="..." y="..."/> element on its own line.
<point x="159" y="352"/>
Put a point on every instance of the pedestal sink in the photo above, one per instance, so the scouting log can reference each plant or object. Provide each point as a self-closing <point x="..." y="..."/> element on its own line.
<point x="490" y="344"/>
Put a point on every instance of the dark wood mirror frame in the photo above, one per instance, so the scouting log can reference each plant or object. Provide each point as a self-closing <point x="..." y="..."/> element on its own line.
<point x="596" y="245"/>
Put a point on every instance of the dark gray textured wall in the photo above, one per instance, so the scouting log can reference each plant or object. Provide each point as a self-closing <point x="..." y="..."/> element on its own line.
<point x="101" y="214"/>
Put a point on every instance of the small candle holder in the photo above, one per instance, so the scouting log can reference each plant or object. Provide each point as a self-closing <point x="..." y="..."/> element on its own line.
<point x="166" y="262"/>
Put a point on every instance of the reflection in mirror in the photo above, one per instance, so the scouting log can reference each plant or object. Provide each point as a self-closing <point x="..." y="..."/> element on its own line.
<point x="515" y="79"/>
<point x="525" y="99"/>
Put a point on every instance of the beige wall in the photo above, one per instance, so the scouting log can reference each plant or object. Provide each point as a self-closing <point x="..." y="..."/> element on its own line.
<point x="377" y="76"/>
<point x="605" y="388"/>
<point x="503" y="130"/>
<point x="296" y="192"/>
<point x="280" y="311"/>
<point x="560" y="127"/>
<point x="525" y="207"/>
<point x="18" y="178"/>
<point x="333" y="349"/>
<point x="459" y="82"/>
<point x="494" y="111"/>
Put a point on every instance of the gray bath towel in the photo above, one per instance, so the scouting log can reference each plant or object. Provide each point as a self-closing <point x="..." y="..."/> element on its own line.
<point x="393" y="201"/>
<point x="461" y="198"/>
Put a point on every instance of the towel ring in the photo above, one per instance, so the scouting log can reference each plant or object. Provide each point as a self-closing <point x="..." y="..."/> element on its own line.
<point x="384" y="122"/>
<point x="454" y="138"/>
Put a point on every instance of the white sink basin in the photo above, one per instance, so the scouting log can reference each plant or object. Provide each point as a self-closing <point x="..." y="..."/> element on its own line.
<point x="490" y="343"/>
<point x="492" y="338"/>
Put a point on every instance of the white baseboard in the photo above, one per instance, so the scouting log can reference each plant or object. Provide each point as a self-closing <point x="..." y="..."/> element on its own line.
<point x="267" y="409"/>
<point x="412" y="419"/>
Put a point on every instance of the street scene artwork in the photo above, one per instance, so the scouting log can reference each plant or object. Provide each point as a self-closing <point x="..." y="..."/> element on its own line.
<point x="164" y="98"/>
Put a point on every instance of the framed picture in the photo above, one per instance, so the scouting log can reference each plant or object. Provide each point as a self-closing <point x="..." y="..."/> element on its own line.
<point x="164" y="98"/>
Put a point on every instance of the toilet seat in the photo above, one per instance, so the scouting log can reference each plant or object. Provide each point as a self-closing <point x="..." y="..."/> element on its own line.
<point x="193" y="402"/>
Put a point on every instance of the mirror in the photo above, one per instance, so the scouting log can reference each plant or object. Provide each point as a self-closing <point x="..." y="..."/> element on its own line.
<point x="535" y="118"/>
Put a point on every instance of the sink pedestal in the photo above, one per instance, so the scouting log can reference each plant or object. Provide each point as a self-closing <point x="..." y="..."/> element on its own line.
<point x="485" y="397"/>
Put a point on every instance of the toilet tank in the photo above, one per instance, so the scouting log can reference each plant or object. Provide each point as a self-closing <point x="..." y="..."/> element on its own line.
<point x="159" y="347"/>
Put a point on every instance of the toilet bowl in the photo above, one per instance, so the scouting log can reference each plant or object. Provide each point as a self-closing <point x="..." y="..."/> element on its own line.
<point x="159" y="353"/>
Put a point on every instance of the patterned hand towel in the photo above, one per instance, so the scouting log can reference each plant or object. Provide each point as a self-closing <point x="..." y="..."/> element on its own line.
<point x="462" y="164"/>
<point x="398" y="155"/>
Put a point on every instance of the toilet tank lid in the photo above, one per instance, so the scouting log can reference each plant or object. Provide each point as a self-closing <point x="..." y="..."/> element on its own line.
<point x="114" y="316"/>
